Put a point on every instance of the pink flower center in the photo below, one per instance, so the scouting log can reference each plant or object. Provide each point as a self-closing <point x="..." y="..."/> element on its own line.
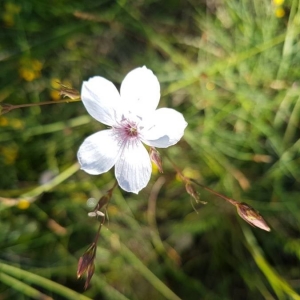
<point x="126" y="130"/>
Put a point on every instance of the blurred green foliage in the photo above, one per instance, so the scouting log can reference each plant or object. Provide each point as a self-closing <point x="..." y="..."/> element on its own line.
<point x="232" y="68"/>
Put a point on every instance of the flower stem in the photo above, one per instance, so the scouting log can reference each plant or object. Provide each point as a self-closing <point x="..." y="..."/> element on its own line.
<point x="98" y="232"/>
<point x="47" y="102"/>
<point x="5" y="108"/>
<point x="189" y="180"/>
<point x="230" y="200"/>
<point x="245" y="211"/>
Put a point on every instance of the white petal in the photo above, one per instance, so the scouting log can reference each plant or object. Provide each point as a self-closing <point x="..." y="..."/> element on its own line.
<point x="165" y="128"/>
<point x="133" y="169"/>
<point x="101" y="99"/>
<point x="140" y="91"/>
<point x="99" y="152"/>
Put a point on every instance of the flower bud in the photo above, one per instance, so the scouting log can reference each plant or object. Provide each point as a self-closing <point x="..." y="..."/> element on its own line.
<point x="86" y="261"/>
<point x="68" y="92"/>
<point x="156" y="159"/>
<point x="251" y="216"/>
<point x="89" y="275"/>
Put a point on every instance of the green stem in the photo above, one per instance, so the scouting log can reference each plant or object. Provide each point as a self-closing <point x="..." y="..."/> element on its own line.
<point x="37" y="280"/>
<point x="279" y="284"/>
<point x="143" y="270"/>
<point x="22" y="287"/>
<point x="54" y="182"/>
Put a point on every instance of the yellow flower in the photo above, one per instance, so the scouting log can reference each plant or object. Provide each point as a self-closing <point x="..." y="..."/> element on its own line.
<point x="54" y="95"/>
<point x="278" y="2"/>
<point x="279" y="12"/>
<point x="27" y="74"/>
<point x="23" y="204"/>
<point x="30" y="69"/>
<point x="3" y="121"/>
<point x="54" y="82"/>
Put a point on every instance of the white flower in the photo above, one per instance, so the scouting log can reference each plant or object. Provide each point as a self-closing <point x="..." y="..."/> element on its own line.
<point x="133" y="119"/>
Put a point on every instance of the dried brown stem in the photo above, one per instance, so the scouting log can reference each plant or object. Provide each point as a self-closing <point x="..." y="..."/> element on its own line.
<point x="245" y="211"/>
<point x="5" y="108"/>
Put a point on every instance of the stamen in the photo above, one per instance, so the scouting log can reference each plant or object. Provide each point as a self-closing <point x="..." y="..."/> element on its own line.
<point x="127" y="129"/>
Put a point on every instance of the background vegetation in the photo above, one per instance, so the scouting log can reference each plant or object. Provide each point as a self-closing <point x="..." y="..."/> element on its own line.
<point x="232" y="68"/>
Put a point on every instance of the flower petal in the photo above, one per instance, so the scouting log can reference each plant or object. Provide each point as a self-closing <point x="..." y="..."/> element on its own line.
<point x="133" y="169"/>
<point x="140" y="91"/>
<point x="101" y="99"/>
<point x="165" y="128"/>
<point x="99" y="152"/>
